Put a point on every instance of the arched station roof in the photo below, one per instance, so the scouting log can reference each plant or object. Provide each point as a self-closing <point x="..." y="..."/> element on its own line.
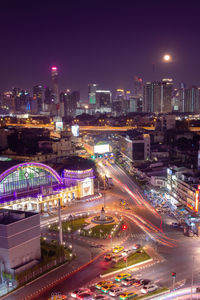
<point x="34" y="165"/>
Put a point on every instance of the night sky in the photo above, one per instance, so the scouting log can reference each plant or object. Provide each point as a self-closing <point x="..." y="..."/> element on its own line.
<point x="105" y="42"/>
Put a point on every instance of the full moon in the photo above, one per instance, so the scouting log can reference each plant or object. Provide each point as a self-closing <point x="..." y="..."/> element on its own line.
<point x="167" y="57"/>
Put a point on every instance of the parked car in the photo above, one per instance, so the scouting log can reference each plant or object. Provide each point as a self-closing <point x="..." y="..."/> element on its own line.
<point x="108" y="287"/>
<point x="127" y="252"/>
<point x="122" y="276"/>
<point x="108" y="257"/>
<point x="136" y="246"/>
<point x="149" y="288"/>
<point x="118" y="249"/>
<point x="102" y="283"/>
<point x="75" y="293"/>
<point x="127" y="295"/>
<point x="100" y="297"/>
<point x="117" y="258"/>
<point x="116" y="291"/>
<point x="85" y="296"/>
<point x="175" y="224"/>
<point x="128" y="281"/>
<point x="145" y="282"/>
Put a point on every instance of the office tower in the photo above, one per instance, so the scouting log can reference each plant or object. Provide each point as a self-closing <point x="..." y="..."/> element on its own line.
<point x="135" y="104"/>
<point x="92" y="87"/>
<point x="6" y="103"/>
<point x="166" y="95"/>
<point x="54" y="78"/>
<point x="70" y="100"/>
<point x="138" y="86"/>
<point x="37" y="99"/>
<point x="103" y="100"/>
<point x="158" y="96"/>
<point x="191" y="103"/>
<point x="23" y="102"/>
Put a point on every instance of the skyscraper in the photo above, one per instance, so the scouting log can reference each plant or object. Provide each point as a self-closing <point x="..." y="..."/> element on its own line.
<point x="103" y="100"/>
<point x="138" y="86"/>
<point x="38" y="98"/>
<point x="92" y="87"/>
<point x="54" y="77"/>
<point x="192" y="98"/>
<point x="158" y="96"/>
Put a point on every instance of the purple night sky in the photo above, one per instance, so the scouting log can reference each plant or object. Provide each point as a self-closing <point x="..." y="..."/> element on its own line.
<point x="105" y="42"/>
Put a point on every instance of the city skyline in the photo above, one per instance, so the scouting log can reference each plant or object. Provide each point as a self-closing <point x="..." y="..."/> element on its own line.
<point x="107" y="43"/>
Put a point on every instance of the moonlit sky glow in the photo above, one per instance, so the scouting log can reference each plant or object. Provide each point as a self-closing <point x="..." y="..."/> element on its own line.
<point x="104" y="42"/>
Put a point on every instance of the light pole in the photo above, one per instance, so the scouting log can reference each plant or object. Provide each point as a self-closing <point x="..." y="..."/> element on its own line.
<point x="173" y="280"/>
<point x="60" y="223"/>
<point x="192" y="279"/>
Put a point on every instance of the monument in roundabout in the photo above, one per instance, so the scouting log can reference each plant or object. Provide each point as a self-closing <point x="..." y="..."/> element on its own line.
<point x="102" y="218"/>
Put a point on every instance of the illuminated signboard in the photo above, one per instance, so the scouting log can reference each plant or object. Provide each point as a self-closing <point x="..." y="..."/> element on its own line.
<point x="197" y="201"/>
<point x="75" y="130"/>
<point x="59" y="126"/>
<point x="102" y="148"/>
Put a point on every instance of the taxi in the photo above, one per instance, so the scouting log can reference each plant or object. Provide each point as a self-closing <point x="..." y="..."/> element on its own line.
<point x="127" y="295"/>
<point x="58" y="297"/>
<point x="106" y="288"/>
<point x="100" y="284"/>
<point x="122" y="276"/>
<point x="118" y="249"/>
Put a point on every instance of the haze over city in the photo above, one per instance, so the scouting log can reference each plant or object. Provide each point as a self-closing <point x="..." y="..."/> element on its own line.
<point x="108" y="42"/>
<point x="99" y="150"/>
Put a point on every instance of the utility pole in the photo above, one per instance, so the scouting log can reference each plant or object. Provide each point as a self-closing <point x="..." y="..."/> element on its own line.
<point x="60" y="223"/>
<point x="192" y="279"/>
<point x="173" y="280"/>
<point x="104" y="191"/>
<point x="98" y="186"/>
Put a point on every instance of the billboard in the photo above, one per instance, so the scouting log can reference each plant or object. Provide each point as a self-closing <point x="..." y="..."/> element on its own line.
<point x="75" y="130"/>
<point x="59" y="125"/>
<point x="103" y="148"/>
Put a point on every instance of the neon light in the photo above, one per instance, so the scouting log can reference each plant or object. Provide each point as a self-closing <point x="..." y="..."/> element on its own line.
<point x="190" y="206"/>
<point x="54" y="68"/>
<point x="80" y="179"/>
<point x="33" y="164"/>
<point x="78" y="172"/>
<point x="197" y="201"/>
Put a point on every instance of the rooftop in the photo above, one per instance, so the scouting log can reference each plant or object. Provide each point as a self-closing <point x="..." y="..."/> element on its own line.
<point x="8" y="216"/>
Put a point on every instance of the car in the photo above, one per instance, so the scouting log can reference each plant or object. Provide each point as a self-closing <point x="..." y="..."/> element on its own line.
<point x="85" y="296"/>
<point x="102" y="283"/>
<point x="117" y="258"/>
<point x="137" y="282"/>
<point x="145" y="282"/>
<point x="127" y="252"/>
<point x="100" y="297"/>
<point x="108" y="257"/>
<point x="149" y="288"/>
<point x="107" y="287"/>
<point x="122" y="276"/>
<point x="75" y="293"/>
<point x="58" y="297"/>
<point x="127" y="295"/>
<point x="136" y="246"/>
<point x="116" y="291"/>
<point x="128" y="281"/>
<point x="175" y="224"/>
<point x="118" y="249"/>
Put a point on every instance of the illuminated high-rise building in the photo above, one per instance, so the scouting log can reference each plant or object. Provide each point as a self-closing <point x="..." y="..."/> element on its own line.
<point x="54" y="77"/>
<point x="192" y="98"/>
<point x="37" y="102"/>
<point x="158" y="96"/>
<point x="138" y="86"/>
<point x="92" y="87"/>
